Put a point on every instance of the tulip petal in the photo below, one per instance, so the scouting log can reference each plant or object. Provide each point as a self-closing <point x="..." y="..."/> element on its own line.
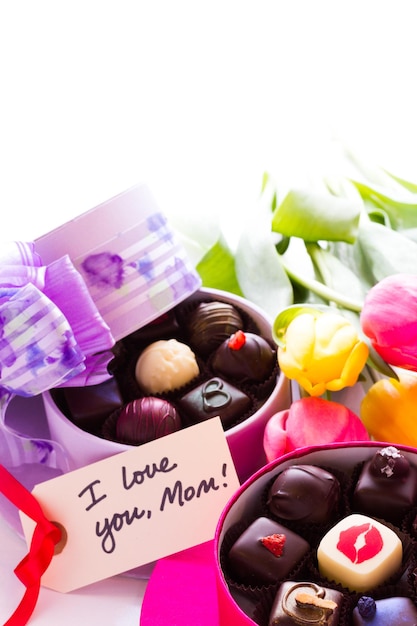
<point x="388" y="410"/>
<point x="387" y="319"/>
<point x="311" y="421"/>
<point x="275" y="438"/>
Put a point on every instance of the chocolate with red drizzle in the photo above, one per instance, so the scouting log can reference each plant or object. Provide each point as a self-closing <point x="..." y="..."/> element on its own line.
<point x="244" y="358"/>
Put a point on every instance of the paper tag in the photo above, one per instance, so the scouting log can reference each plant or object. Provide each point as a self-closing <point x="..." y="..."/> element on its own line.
<point x="138" y="506"/>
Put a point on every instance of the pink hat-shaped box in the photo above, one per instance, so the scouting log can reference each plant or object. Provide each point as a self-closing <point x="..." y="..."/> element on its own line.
<point x="133" y="266"/>
<point x="246" y="504"/>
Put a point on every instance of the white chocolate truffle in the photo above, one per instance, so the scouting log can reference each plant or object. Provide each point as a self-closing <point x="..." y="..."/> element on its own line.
<point x="359" y="553"/>
<point x="165" y="365"/>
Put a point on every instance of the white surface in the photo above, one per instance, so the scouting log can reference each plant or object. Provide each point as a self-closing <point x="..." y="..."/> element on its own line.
<point x="197" y="99"/>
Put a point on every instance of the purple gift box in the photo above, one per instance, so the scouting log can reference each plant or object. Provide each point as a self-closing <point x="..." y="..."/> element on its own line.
<point x="125" y="261"/>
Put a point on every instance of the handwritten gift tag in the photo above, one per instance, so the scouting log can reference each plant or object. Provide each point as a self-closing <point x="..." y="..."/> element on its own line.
<point x="138" y="506"/>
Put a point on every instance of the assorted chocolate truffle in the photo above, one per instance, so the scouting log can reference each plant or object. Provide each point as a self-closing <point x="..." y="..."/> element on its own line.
<point x="165" y="365"/>
<point x="214" y="397"/>
<point x="304" y="493"/>
<point x="305" y="603"/>
<point x="170" y="359"/>
<point x="89" y="406"/>
<point x="387" y="486"/>
<point x="211" y="323"/>
<point x="265" y="553"/>
<point x="395" y="611"/>
<point x="146" y="419"/>
<point x="244" y="357"/>
<point x="356" y="555"/>
<point x="359" y="553"/>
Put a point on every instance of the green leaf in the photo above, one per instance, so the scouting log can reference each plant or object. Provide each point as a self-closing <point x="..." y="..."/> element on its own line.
<point x="217" y="269"/>
<point x="377" y="363"/>
<point x="197" y="234"/>
<point x="385" y="251"/>
<point x="317" y="216"/>
<point x="335" y="274"/>
<point x="404" y="183"/>
<point x="300" y="269"/>
<point x="402" y="213"/>
<point x="259" y="270"/>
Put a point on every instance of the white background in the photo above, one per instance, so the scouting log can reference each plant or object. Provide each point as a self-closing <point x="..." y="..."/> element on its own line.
<point x="194" y="98"/>
<point x="197" y="99"/>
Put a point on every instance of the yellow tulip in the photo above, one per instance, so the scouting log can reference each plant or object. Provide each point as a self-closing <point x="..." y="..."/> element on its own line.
<point x="388" y="410"/>
<point x="322" y="352"/>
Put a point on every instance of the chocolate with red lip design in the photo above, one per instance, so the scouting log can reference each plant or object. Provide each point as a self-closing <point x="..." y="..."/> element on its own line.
<point x="348" y="542"/>
<point x="360" y="553"/>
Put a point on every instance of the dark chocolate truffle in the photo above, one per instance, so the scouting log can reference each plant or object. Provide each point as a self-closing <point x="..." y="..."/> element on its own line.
<point x="387" y="486"/>
<point x="304" y="493"/>
<point x="305" y="603"/>
<point x="244" y="358"/>
<point x="265" y="553"/>
<point x="214" y="397"/>
<point x="165" y="326"/>
<point x="386" y="612"/>
<point x="211" y="323"/>
<point x="146" y="419"/>
<point x="88" y="407"/>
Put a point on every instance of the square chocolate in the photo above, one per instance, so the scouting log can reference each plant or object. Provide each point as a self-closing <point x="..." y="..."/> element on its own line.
<point x="265" y="553"/>
<point x="214" y="397"/>
<point x="305" y="603"/>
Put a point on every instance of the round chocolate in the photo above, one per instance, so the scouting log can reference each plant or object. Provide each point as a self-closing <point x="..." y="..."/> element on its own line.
<point x="211" y="323"/>
<point x="245" y="358"/>
<point x="146" y="419"/>
<point x="389" y="462"/>
<point x="165" y="365"/>
<point x="386" y="486"/>
<point x="304" y="493"/>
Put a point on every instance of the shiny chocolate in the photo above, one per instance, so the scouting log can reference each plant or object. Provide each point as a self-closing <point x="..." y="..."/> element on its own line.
<point x="146" y="419"/>
<point x="252" y="563"/>
<point x="387" y="486"/>
<point x="304" y="493"/>
<point x="305" y="604"/>
<point x="244" y="358"/>
<point x="214" y="397"/>
<point x="211" y="323"/>
<point x="385" y="612"/>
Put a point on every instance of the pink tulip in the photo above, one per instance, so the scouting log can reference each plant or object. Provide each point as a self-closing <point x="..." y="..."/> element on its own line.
<point x="389" y="319"/>
<point x="308" y="422"/>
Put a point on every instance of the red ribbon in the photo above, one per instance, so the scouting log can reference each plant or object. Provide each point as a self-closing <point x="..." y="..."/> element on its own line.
<point x="45" y="537"/>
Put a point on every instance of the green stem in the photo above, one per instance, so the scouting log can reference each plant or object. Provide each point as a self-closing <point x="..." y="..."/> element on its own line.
<point x="323" y="291"/>
<point x="314" y="251"/>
